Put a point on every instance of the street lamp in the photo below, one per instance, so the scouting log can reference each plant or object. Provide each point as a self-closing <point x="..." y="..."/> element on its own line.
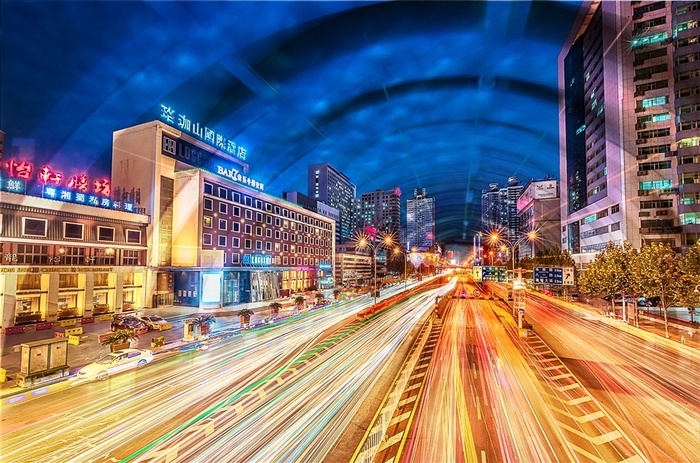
<point x="366" y="241"/>
<point x="398" y="250"/>
<point x="495" y="239"/>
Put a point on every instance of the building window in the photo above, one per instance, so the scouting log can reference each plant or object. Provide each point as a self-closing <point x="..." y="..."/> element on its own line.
<point x="285" y="260"/>
<point x="33" y="227"/>
<point x="222" y="241"/>
<point x="293" y="260"/>
<point x="258" y="245"/>
<point x="206" y="239"/>
<point x="285" y="247"/>
<point x="73" y="231"/>
<point x="131" y="257"/>
<point x="615" y="208"/>
<point x="277" y="247"/>
<point x="268" y="246"/>
<point x="235" y="258"/>
<point x="223" y="208"/>
<point x="258" y="231"/>
<point x="133" y="236"/>
<point x="268" y="233"/>
<point x="268" y="219"/>
<point x="248" y="229"/>
<point x="277" y="234"/>
<point x="222" y="193"/>
<point x="208" y="204"/>
<point x="655" y="184"/>
<point x="222" y="224"/>
<point x="277" y="222"/>
<point x="248" y="201"/>
<point x="236" y="197"/>
<point x="235" y="242"/>
<point x="236" y="211"/>
<point x="104" y="256"/>
<point x="105" y="234"/>
<point x="236" y="227"/>
<point x="72" y="255"/>
<point x="32" y="254"/>
<point x="248" y="244"/>
<point x="248" y="214"/>
<point x="208" y="188"/>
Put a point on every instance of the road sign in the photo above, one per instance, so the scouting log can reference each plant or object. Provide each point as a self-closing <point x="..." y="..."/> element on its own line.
<point x="494" y="273"/>
<point x="568" y="278"/>
<point x="550" y="275"/>
<point x="477" y="273"/>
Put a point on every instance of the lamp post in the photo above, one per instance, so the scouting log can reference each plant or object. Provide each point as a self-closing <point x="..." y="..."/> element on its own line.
<point x="495" y="238"/>
<point x="398" y="250"/>
<point x="365" y="241"/>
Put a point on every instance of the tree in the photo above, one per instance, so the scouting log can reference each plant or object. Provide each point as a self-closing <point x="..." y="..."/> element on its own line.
<point x="689" y="266"/>
<point x="245" y="315"/>
<point x="116" y="340"/>
<point x="204" y="323"/>
<point x="657" y="274"/>
<point x="275" y="308"/>
<point x="610" y="273"/>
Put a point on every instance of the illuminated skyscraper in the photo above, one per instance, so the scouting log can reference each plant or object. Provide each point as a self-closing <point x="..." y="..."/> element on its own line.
<point x="629" y="124"/>
<point x="381" y="209"/>
<point x="420" y="221"/>
<point x="332" y="187"/>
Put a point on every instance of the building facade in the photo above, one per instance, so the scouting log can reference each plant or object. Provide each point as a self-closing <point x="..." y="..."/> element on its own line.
<point x="216" y="238"/>
<point x="381" y="210"/>
<point x="538" y="210"/>
<point x="330" y="186"/>
<point x="420" y="221"/>
<point x="629" y="145"/>
<point x="68" y="263"/>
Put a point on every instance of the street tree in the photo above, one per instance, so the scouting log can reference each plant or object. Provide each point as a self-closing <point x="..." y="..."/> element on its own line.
<point x="689" y="266"/>
<point x="656" y="273"/>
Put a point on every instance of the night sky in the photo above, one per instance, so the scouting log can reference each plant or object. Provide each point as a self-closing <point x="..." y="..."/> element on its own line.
<point x="447" y="96"/>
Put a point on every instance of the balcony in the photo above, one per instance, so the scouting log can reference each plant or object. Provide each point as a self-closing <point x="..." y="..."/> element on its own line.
<point x="670" y="154"/>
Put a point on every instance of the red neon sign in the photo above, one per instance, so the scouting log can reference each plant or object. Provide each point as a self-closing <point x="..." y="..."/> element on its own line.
<point x="21" y="170"/>
<point x="79" y="182"/>
<point x="46" y="175"/>
<point x="103" y="187"/>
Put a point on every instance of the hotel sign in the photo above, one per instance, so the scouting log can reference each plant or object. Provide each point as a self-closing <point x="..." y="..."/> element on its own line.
<point x="195" y="156"/>
<point x="169" y="115"/>
<point x="257" y="260"/>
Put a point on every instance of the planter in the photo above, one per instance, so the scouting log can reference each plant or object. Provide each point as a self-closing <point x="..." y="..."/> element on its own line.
<point x="116" y="347"/>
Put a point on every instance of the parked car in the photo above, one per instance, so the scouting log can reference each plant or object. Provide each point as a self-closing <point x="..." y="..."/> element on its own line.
<point x="154" y="322"/>
<point x="122" y="322"/>
<point x="115" y="362"/>
<point x="575" y="297"/>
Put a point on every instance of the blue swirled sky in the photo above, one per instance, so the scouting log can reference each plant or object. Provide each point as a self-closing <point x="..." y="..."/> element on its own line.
<point x="447" y="96"/>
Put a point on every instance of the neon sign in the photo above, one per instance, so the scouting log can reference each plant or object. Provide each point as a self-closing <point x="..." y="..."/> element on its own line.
<point x="169" y="115"/>
<point x="75" y="191"/>
<point x="260" y="260"/>
<point x="195" y="156"/>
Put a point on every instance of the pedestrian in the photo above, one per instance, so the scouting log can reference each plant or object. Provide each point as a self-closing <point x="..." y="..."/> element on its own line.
<point x="682" y="339"/>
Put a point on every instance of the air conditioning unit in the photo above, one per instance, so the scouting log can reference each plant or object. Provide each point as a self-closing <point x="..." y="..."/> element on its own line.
<point x="641" y="173"/>
<point x="642" y="141"/>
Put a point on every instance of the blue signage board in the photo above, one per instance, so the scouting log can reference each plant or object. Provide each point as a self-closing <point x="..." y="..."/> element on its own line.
<point x="195" y="156"/>
<point x="494" y="273"/>
<point x="257" y="260"/>
<point x="548" y="275"/>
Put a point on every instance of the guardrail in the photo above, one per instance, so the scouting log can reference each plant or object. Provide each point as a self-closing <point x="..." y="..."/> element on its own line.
<point x="377" y="433"/>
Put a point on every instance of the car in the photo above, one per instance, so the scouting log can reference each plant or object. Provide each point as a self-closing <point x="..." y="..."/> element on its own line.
<point x="464" y="295"/>
<point x="115" y="362"/>
<point x="575" y="297"/>
<point x="123" y="322"/>
<point x="154" y="322"/>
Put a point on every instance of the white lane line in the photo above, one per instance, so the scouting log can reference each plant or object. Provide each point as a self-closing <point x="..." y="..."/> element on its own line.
<point x="406" y="401"/>
<point x="478" y="407"/>
<point x="399" y="418"/>
<point x="395" y="439"/>
<point x="483" y="457"/>
<point x="568" y="387"/>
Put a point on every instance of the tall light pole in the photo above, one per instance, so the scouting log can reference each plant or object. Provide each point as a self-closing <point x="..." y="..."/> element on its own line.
<point x="366" y="241"/>
<point x="495" y="239"/>
<point x="398" y="250"/>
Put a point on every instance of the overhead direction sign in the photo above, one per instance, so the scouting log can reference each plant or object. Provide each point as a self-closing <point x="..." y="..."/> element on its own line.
<point x="553" y="275"/>
<point x="493" y="273"/>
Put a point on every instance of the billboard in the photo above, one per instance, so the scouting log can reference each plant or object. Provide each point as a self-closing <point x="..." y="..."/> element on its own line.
<point x="545" y="189"/>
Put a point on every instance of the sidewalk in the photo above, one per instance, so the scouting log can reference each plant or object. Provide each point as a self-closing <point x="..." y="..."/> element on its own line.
<point x="90" y="349"/>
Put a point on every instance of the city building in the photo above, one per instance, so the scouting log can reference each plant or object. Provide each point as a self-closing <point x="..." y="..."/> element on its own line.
<point x="64" y="261"/>
<point x="353" y="268"/>
<point x="630" y="114"/>
<point x="216" y="238"/>
<point x="420" y="221"/>
<point x="381" y="210"/>
<point x="538" y="210"/>
<point x="499" y="208"/>
<point x="330" y="186"/>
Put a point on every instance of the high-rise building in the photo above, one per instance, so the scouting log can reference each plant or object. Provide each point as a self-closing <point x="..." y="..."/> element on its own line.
<point x="332" y="187"/>
<point x="420" y="221"/>
<point x="630" y="115"/>
<point x="499" y="208"/>
<point x="538" y="210"/>
<point x="381" y="210"/>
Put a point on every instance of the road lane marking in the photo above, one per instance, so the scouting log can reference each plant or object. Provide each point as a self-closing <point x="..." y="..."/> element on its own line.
<point x="395" y="439"/>
<point x="478" y="406"/>
<point x="483" y="456"/>
<point x="569" y="386"/>
<point x="416" y="376"/>
<point x="398" y="419"/>
<point x="406" y="401"/>
<point x="586" y="454"/>
<point x="563" y="375"/>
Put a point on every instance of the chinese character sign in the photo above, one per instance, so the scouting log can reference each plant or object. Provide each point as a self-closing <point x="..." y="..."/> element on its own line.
<point x="46" y="175"/>
<point x="22" y="170"/>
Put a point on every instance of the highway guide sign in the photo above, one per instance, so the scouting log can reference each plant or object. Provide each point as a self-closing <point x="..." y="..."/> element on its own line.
<point x="553" y="275"/>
